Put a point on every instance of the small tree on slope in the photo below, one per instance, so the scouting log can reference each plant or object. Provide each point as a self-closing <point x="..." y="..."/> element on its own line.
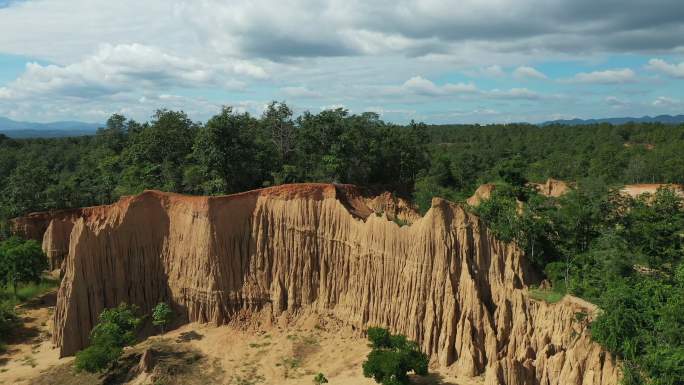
<point x="115" y="330"/>
<point x="162" y="315"/>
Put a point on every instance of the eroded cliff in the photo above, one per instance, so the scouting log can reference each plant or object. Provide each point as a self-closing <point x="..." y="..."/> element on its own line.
<point x="444" y="281"/>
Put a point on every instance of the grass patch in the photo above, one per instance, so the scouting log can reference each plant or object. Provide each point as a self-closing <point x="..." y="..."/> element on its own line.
<point x="400" y="222"/>
<point x="29" y="291"/>
<point x="255" y="345"/>
<point x="549" y="296"/>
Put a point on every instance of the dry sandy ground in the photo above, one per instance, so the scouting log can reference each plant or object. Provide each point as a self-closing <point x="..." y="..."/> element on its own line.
<point x="288" y="356"/>
<point x="275" y="355"/>
<point x="30" y="352"/>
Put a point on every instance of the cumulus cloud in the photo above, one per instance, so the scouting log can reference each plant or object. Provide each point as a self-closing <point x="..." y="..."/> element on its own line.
<point x="314" y="28"/>
<point x="122" y="68"/>
<point x="349" y="51"/>
<point x="526" y="72"/>
<point x="673" y="70"/>
<point x="614" y="76"/>
<point x="420" y="86"/>
<point x="666" y="101"/>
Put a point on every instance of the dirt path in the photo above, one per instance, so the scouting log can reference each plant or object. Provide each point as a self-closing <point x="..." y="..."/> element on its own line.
<point x="30" y="352"/>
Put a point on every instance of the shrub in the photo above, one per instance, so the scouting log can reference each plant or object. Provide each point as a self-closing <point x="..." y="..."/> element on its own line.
<point x="320" y="379"/>
<point x="115" y="330"/>
<point x="8" y="318"/>
<point x="162" y="315"/>
<point x="392" y="358"/>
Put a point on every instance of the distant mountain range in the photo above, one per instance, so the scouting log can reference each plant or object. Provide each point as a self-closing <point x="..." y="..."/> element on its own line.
<point x="666" y="119"/>
<point x="18" y="130"/>
<point x="15" y="129"/>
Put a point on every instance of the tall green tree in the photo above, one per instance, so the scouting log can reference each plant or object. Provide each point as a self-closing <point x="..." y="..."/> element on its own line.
<point x="21" y="262"/>
<point x="157" y="153"/>
<point x="231" y="153"/>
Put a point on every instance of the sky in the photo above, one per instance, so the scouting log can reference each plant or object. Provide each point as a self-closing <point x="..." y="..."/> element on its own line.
<point x="465" y="61"/>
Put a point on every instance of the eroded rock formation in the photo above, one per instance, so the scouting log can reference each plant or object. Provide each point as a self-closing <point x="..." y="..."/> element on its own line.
<point x="444" y="281"/>
<point x="56" y="240"/>
<point x="482" y="193"/>
<point x="552" y="188"/>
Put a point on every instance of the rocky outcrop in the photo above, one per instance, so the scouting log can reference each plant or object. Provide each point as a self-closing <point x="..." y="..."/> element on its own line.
<point x="482" y="193"/>
<point x="444" y="281"/>
<point x="34" y="225"/>
<point x="552" y="188"/>
<point x="52" y="229"/>
<point x="56" y="240"/>
<point x="395" y="208"/>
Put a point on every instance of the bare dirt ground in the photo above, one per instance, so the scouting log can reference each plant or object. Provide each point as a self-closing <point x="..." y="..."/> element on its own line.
<point x="30" y="351"/>
<point x="201" y="354"/>
<point x="290" y="357"/>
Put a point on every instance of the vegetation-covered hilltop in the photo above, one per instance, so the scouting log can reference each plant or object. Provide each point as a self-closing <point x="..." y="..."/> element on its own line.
<point x="622" y="253"/>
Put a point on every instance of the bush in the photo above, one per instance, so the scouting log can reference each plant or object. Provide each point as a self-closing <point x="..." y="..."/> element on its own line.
<point x="162" y="315"/>
<point x="392" y="358"/>
<point x="320" y="379"/>
<point x="8" y="318"/>
<point x="115" y="330"/>
<point x="96" y="358"/>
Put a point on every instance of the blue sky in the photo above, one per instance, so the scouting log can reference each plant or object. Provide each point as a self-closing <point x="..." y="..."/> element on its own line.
<point x="430" y="60"/>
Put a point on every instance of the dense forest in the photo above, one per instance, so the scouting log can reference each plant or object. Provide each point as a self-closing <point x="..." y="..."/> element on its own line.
<point x="621" y="253"/>
<point x="234" y="151"/>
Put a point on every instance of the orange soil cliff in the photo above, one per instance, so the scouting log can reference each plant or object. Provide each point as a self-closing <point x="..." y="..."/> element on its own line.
<point x="444" y="281"/>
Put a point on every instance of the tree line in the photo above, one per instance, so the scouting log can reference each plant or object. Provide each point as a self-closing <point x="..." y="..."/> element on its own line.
<point x="231" y="152"/>
<point x="234" y="151"/>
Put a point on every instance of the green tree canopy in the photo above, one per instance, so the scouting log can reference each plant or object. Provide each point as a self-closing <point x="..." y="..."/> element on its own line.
<point x="21" y="262"/>
<point x="392" y="358"/>
<point x="116" y="329"/>
<point x="162" y="315"/>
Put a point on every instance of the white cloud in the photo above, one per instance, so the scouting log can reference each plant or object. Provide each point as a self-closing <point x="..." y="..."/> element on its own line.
<point x="673" y="70"/>
<point x="614" y="76"/>
<point x="420" y="86"/>
<point x="514" y="93"/>
<point x="345" y="51"/>
<point x="525" y="72"/>
<point x="666" y="101"/>
<point x="125" y="68"/>
<point x="300" y="92"/>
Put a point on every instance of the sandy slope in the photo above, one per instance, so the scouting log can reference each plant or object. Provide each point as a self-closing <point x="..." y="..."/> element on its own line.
<point x="31" y="351"/>
<point x="288" y="356"/>
<point x="277" y="354"/>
